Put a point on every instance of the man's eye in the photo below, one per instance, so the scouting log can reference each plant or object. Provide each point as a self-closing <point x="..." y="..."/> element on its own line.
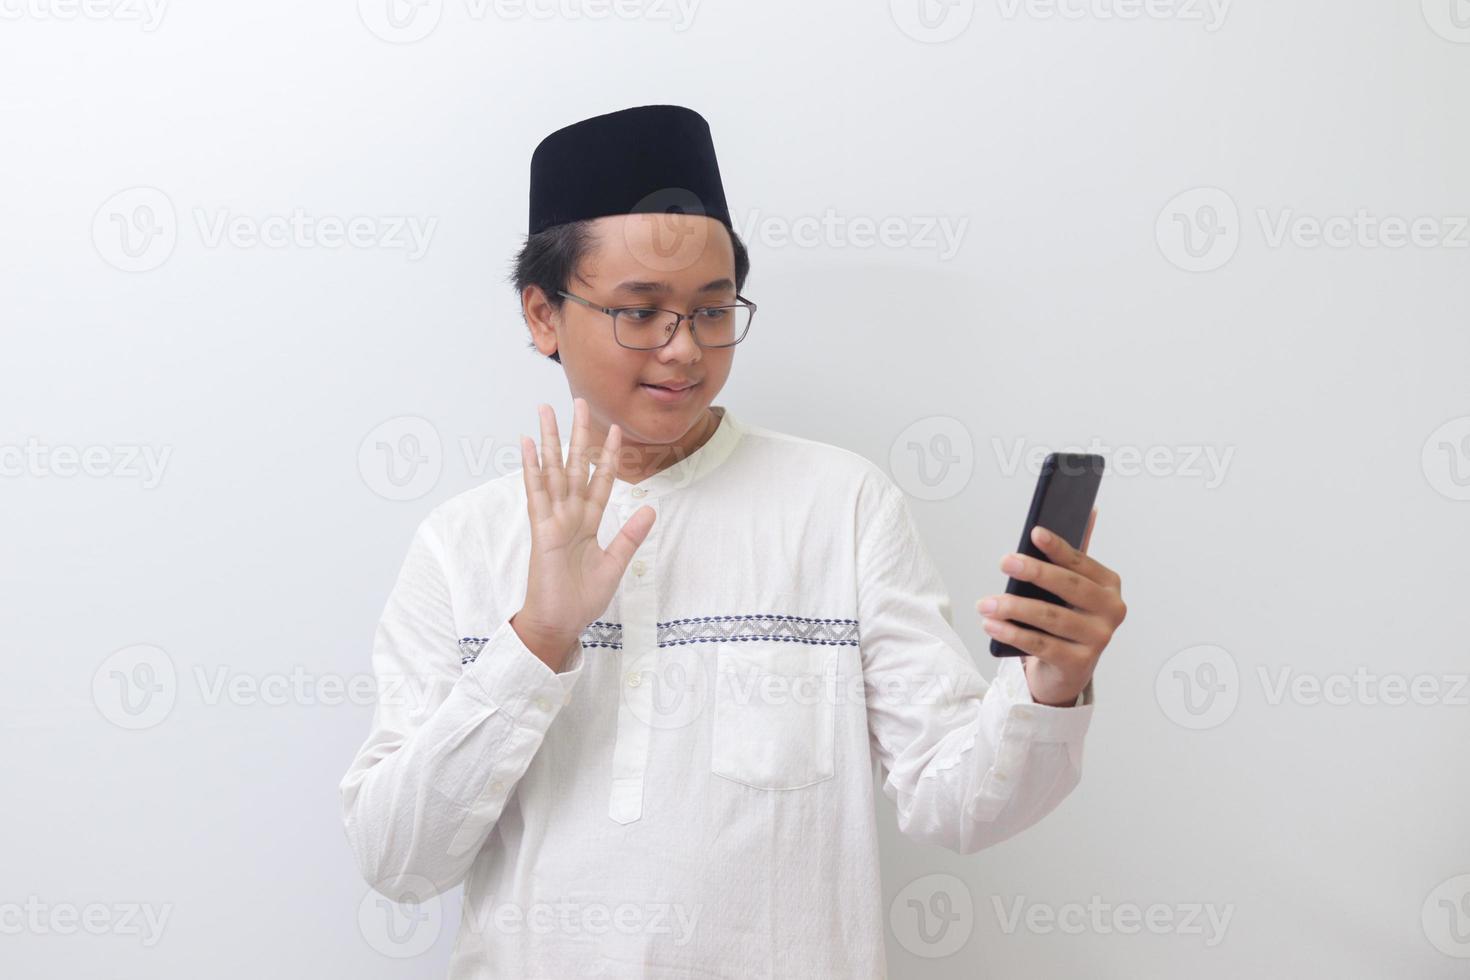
<point x="715" y="315"/>
<point x="638" y="316"/>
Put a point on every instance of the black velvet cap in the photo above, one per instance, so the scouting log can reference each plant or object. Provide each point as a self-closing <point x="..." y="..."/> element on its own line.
<point x="652" y="158"/>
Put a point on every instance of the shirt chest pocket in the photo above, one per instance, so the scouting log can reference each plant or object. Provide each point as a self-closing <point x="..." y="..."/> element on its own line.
<point x="774" y="713"/>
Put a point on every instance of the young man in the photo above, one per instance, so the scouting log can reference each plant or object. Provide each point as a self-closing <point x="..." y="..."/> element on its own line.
<point x="654" y="697"/>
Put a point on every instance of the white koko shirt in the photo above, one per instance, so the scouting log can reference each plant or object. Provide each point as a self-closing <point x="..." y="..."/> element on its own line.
<point x="693" y="796"/>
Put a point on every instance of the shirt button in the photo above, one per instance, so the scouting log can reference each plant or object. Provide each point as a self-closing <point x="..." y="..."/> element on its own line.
<point x="634" y="679"/>
<point x="497" y="786"/>
<point x="1023" y="713"/>
<point x="639" y="567"/>
<point x="1000" y="777"/>
<point x="639" y="492"/>
<point x="543" y="704"/>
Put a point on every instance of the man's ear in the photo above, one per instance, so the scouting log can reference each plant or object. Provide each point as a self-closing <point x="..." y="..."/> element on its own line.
<point x="542" y="319"/>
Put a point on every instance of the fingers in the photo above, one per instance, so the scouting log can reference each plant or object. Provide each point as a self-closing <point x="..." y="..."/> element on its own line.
<point x="1071" y="586"/>
<point x="1052" y="649"/>
<point x="602" y="480"/>
<point x="553" y="474"/>
<point x="537" y="501"/>
<point x="579" y="455"/>
<point x="1059" y="621"/>
<point x="549" y="480"/>
<point x="1062" y="554"/>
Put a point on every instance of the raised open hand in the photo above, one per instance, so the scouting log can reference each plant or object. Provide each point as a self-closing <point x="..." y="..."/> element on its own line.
<point x="572" y="578"/>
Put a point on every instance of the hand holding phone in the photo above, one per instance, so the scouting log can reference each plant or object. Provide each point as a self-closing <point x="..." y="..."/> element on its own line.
<point x="1062" y="503"/>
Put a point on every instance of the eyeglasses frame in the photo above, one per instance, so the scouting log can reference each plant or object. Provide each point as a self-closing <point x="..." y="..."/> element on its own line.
<point x="613" y="311"/>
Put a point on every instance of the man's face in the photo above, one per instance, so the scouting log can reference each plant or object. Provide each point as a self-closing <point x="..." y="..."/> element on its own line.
<point x="672" y="261"/>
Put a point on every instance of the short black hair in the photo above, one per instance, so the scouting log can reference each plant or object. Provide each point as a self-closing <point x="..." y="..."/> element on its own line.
<point x="549" y="258"/>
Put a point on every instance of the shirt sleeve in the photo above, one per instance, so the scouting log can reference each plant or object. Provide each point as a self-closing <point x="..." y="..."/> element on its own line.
<point x="449" y="741"/>
<point x="968" y="763"/>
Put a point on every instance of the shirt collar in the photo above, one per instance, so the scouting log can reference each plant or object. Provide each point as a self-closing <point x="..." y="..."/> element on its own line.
<point x="692" y="468"/>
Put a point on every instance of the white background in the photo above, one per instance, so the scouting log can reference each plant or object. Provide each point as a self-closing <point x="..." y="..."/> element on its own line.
<point x="1084" y="299"/>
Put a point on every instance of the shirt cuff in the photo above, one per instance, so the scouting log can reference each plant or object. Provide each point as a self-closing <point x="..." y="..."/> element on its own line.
<point x="1017" y="724"/>
<point x="520" y="683"/>
<point x="1040" y="722"/>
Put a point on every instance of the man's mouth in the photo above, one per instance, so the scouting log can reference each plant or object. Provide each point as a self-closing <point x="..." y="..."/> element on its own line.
<point x="667" y="394"/>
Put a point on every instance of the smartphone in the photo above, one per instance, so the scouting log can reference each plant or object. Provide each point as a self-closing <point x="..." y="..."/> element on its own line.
<point x="1062" y="503"/>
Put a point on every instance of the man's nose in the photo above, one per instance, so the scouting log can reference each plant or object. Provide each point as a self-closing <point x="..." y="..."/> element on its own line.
<point x="683" y="343"/>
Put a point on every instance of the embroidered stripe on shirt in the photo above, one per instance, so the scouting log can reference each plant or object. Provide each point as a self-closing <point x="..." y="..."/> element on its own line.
<point x="711" y="629"/>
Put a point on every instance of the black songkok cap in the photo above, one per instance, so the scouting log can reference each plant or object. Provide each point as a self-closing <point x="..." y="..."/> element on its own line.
<point x="652" y="158"/>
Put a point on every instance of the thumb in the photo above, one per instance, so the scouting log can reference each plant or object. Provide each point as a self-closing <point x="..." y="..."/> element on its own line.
<point x="1087" y="535"/>
<point x="622" y="547"/>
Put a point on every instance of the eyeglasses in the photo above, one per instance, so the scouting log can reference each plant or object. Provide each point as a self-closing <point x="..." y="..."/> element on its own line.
<point x="649" y="328"/>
